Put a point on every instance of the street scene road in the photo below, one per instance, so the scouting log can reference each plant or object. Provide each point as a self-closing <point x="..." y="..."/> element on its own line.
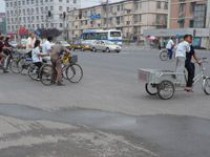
<point x="108" y="114"/>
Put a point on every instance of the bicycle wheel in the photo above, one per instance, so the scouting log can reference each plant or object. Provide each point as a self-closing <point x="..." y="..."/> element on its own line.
<point x="23" y="66"/>
<point x="163" y="55"/>
<point x="166" y="90"/>
<point x="74" y="73"/>
<point x="206" y="86"/>
<point x="46" y="74"/>
<point x="151" y="89"/>
<point x="14" y="66"/>
<point x="33" y="72"/>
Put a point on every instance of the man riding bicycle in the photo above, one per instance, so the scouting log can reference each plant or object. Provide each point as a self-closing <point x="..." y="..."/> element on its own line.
<point x="170" y="45"/>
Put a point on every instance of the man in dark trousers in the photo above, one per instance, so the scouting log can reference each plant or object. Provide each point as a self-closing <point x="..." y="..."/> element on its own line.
<point x="190" y="67"/>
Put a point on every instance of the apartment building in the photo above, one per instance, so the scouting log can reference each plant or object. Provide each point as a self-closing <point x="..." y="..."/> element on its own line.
<point x="2" y="23"/>
<point x="34" y="14"/>
<point x="188" y="14"/>
<point x="130" y="16"/>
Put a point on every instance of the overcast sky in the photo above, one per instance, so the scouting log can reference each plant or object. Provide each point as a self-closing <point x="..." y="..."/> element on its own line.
<point x="85" y="3"/>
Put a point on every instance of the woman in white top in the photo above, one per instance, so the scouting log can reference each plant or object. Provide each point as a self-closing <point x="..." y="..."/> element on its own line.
<point x="37" y="55"/>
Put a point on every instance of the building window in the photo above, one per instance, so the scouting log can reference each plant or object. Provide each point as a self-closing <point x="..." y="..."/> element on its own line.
<point x="61" y="25"/>
<point x="118" y="8"/>
<point x="166" y="6"/>
<point x="199" y="16"/>
<point x="60" y="8"/>
<point x="75" y="1"/>
<point x="158" y="5"/>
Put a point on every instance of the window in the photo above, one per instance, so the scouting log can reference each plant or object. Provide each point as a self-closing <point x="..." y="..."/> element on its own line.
<point x="118" y="8"/>
<point x="166" y="5"/>
<point x="60" y="8"/>
<point x="75" y="1"/>
<point x="158" y="5"/>
<point x="137" y="18"/>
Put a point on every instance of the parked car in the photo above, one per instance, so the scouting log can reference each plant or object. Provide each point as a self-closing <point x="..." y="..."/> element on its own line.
<point x="106" y="46"/>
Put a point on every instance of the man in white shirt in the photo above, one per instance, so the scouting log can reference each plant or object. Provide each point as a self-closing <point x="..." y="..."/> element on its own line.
<point x="182" y="49"/>
<point x="47" y="47"/>
<point x="170" y="45"/>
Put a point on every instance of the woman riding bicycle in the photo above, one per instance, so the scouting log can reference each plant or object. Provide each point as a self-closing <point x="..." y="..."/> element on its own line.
<point x="37" y="55"/>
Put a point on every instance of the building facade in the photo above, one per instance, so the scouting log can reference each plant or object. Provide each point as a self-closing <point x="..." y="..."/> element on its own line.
<point x="188" y="14"/>
<point x="34" y="14"/>
<point x="2" y="23"/>
<point x="130" y="16"/>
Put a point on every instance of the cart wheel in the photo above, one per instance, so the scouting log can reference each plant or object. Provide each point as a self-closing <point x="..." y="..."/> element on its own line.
<point x="166" y="90"/>
<point x="206" y="86"/>
<point x="151" y="89"/>
<point x="163" y="55"/>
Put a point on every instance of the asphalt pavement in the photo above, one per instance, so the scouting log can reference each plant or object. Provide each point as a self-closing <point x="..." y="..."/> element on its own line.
<point x="108" y="114"/>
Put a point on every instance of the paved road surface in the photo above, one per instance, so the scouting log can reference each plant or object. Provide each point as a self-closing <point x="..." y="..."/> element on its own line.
<point x="107" y="114"/>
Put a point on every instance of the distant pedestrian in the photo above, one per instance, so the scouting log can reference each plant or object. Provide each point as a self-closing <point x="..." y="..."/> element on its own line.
<point x="170" y="45"/>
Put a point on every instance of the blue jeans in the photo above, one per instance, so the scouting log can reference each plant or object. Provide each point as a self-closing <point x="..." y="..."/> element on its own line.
<point x="170" y="53"/>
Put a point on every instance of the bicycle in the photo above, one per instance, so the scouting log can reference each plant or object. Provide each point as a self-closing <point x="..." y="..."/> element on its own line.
<point x="164" y="83"/>
<point x="164" y="55"/>
<point x="72" y="72"/>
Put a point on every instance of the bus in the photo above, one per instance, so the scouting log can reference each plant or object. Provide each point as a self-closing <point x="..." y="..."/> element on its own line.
<point x="112" y="35"/>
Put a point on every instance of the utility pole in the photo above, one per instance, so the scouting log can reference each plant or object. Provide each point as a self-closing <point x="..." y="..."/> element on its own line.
<point x="169" y="14"/>
<point x="107" y="14"/>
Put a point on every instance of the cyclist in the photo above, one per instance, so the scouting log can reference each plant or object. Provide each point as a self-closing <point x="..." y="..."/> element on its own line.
<point x="8" y="53"/>
<point x="1" y="50"/>
<point x="170" y="45"/>
<point x="190" y="66"/>
<point x="47" y="47"/>
<point x="56" y="55"/>
<point x="182" y="49"/>
<point x="37" y="55"/>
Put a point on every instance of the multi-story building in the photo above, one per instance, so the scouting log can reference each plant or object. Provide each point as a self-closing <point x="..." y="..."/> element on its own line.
<point x="188" y="14"/>
<point x="2" y="23"/>
<point x="34" y="14"/>
<point x="130" y="16"/>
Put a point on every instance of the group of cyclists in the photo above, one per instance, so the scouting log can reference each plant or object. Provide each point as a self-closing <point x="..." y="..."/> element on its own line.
<point x="184" y="53"/>
<point x="40" y="53"/>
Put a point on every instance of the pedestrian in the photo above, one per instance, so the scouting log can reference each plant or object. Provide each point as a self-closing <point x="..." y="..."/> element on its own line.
<point x="56" y="55"/>
<point x="182" y="49"/>
<point x="170" y="45"/>
<point x="190" y="67"/>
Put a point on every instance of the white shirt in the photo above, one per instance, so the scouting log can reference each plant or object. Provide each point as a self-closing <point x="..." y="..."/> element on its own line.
<point x="46" y="47"/>
<point x="35" y="55"/>
<point x="182" y="49"/>
<point x="170" y="44"/>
